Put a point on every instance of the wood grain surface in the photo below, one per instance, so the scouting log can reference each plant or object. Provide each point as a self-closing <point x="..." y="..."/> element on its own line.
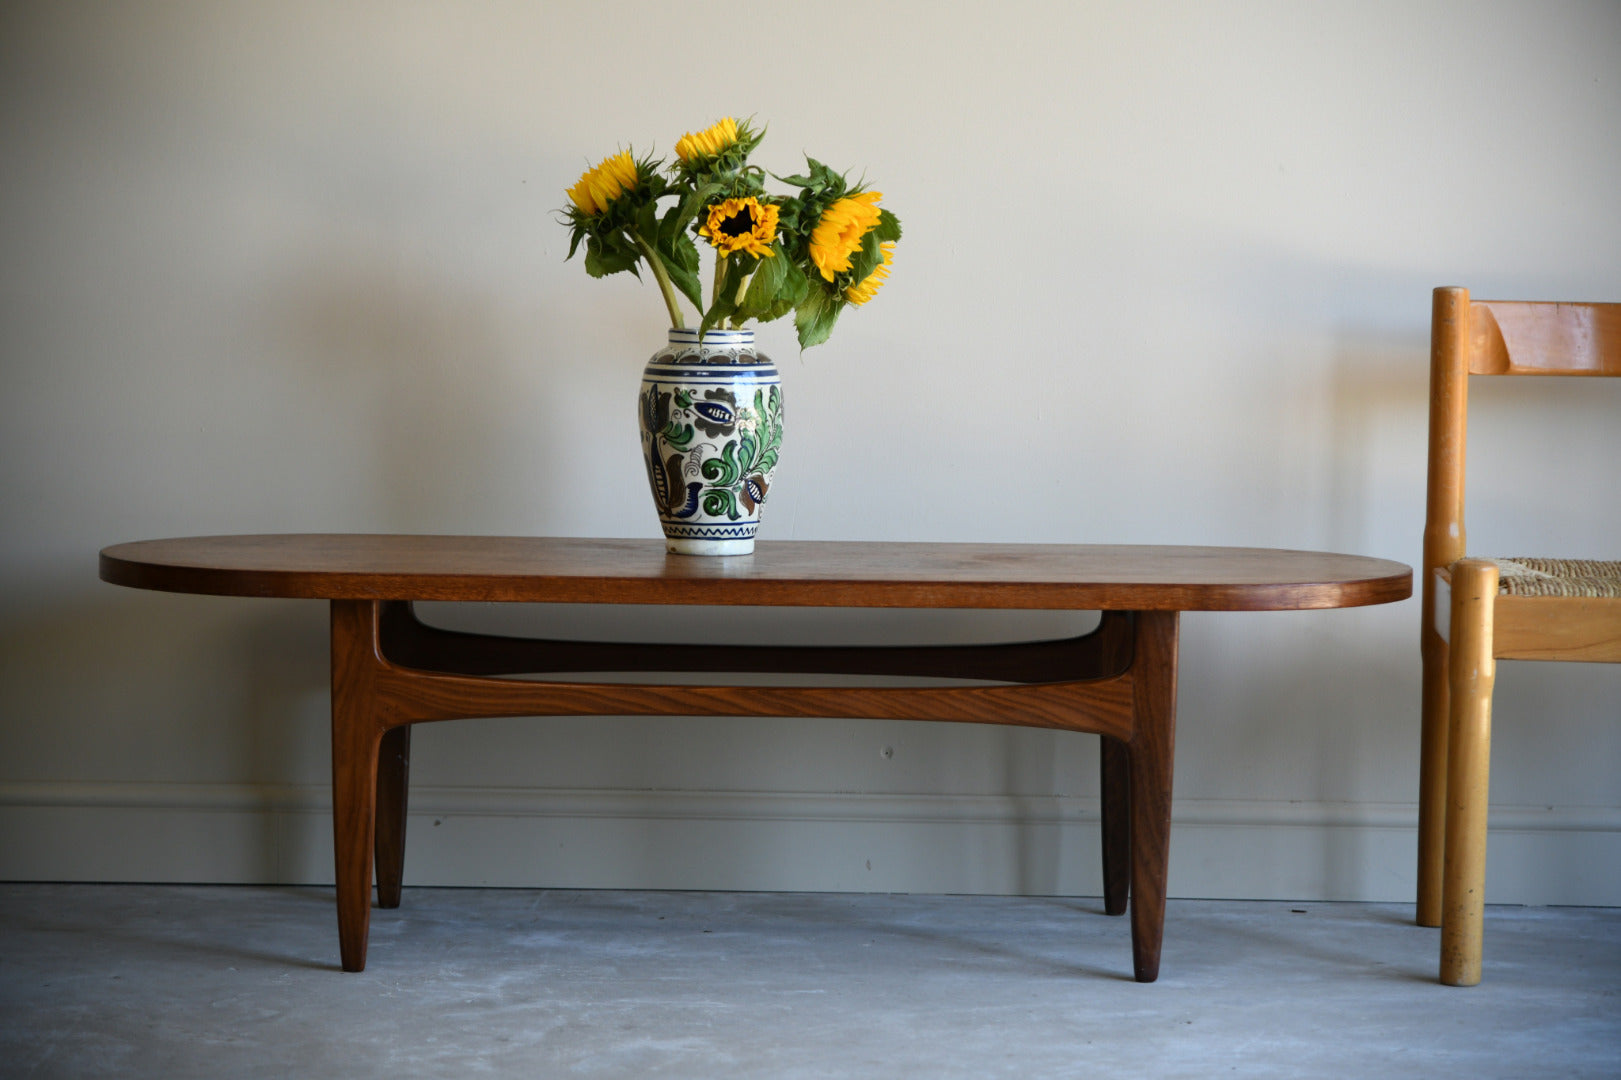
<point x="1510" y="337"/>
<point x="780" y="573"/>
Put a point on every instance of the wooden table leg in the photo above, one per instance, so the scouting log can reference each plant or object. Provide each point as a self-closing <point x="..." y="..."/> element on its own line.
<point x="356" y="733"/>
<point x="1151" y="754"/>
<point x="1115" y="786"/>
<point x="393" y="776"/>
<point x="1432" y="770"/>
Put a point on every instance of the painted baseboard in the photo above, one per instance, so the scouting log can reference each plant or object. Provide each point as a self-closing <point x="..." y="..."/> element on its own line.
<point x="781" y="841"/>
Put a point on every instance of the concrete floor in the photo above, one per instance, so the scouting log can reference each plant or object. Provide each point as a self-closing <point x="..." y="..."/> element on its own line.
<point x="175" y="982"/>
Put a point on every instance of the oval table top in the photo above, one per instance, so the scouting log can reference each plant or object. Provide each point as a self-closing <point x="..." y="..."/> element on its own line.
<point x="796" y="573"/>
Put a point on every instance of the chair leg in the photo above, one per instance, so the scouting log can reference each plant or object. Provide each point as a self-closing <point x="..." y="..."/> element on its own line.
<point x="1114" y="767"/>
<point x="1432" y="777"/>
<point x="1473" y="674"/>
<point x="393" y="775"/>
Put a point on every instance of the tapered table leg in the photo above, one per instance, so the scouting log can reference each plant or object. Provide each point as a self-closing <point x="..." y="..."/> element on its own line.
<point x="1115" y="786"/>
<point x="393" y="777"/>
<point x="1151" y="754"/>
<point x="356" y="733"/>
<point x="1432" y="774"/>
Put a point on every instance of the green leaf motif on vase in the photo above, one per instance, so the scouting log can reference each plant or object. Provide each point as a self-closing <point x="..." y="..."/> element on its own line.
<point x="711" y="449"/>
<point x="721" y="502"/>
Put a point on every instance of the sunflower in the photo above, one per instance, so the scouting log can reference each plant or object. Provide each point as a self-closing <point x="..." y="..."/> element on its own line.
<point x="867" y="287"/>
<point x="711" y="142"/>
<point x="741" y="225"/>
<point x="602" y="185"/>
<point x="838" y="233"/>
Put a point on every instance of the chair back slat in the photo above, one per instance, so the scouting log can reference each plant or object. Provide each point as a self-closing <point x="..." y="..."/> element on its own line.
<point x="1516" y="338"/>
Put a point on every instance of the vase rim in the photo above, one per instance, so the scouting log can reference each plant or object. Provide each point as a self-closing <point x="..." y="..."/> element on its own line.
<point x="714" y="336"/>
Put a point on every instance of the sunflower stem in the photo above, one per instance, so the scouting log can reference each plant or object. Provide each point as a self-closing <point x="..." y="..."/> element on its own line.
<point x="662" y="276"/>
<point x="737" y="301"/>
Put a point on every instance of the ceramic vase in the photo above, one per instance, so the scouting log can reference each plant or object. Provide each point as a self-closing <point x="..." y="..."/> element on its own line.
<point x="711" y="419"/>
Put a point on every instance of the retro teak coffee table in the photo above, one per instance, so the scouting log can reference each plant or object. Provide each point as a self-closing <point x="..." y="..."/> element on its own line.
<point x="390" y="671"/>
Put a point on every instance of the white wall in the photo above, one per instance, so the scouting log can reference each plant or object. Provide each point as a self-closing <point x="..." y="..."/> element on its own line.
<point x="1166" y="278"/>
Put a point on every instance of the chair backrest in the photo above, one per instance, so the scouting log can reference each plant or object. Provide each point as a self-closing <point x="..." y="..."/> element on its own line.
<point x="1508" y="337"/>
<point x="1495" y="337"/>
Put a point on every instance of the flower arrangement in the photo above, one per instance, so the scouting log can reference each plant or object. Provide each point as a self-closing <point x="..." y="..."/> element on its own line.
<point x="812" y="253"/>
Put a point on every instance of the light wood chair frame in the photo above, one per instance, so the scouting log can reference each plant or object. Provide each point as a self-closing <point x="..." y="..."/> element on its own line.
<point x="1467" y="626"/>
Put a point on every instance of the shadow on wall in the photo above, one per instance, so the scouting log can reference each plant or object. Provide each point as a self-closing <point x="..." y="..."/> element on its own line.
<point x="1299" y="729"/>
<point x="1378" y="415"/>
<point x="287" y="712"/>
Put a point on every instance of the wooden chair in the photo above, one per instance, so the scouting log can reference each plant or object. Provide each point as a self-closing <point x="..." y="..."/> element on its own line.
<point x="1477" y="611"/>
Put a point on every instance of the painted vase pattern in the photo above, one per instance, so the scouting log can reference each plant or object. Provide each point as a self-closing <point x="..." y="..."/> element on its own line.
<point x="711" y="419"/>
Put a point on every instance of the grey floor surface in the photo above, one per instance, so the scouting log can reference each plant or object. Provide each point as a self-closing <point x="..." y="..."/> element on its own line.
<point x="174" y="982"/>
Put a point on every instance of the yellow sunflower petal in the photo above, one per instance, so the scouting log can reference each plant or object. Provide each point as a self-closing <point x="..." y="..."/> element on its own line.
<point x="747" y="224"/>
<point x="863" y="290"/>
<point x="603" y="183"/>
<point x="580" y="195"/>
<point x="838" y="232"/>
<point x="711" y="141"/>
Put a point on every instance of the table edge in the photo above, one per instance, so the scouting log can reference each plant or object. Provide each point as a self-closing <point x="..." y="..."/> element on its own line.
<point x="707" y="592"/>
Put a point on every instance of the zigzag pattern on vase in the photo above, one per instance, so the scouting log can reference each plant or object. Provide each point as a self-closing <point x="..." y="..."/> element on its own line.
<point x="712" y="532"/>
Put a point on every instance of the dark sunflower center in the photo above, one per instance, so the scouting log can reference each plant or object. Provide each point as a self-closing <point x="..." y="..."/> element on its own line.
<point x="739" y="224"/>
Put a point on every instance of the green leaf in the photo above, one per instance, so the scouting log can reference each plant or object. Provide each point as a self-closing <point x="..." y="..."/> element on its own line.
<point x="790" y="294"/>
<point x="593" y="258"/>
<point x="888" y="227"/>
<point x="868" y="259"/>
<point x="688" y="285"/>
<point x="814" y="318"/>
<point x="764" y="286"/>
<point x="669" y="225"/>
<point x="682" y="214"/>
<point x="787" y="216"/>
<point x="796" y="284"/>
<point x="603" y="256"/>
<point x="647" y="223"/>
<point x="725" y="305"/>
<point x="819" y="178"/>
<point x="681" y="262"/>
<point x="684" y="252"/>
<point x="718" y="312"/>
<point x="726" y="267"/>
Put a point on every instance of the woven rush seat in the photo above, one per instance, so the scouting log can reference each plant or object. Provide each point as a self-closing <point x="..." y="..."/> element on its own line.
<point x="1558" y="577"/>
